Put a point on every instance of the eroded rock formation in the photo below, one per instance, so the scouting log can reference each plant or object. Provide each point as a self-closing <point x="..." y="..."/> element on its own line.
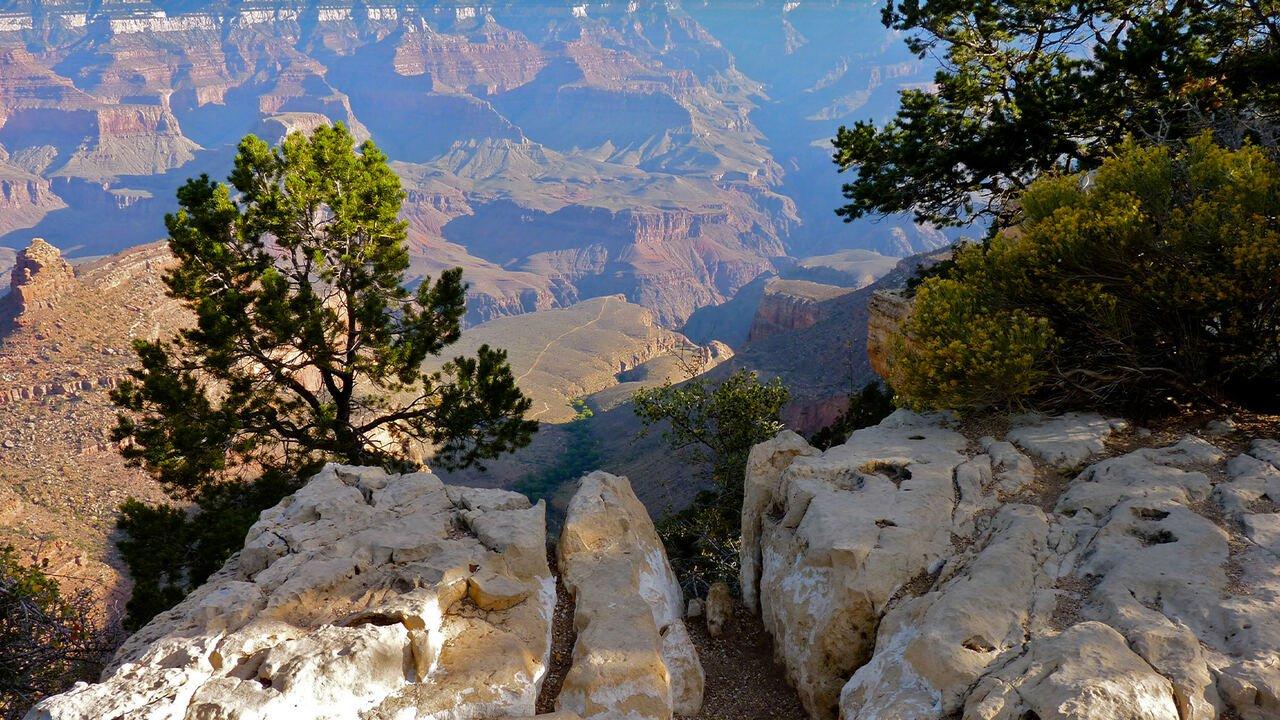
<point x="39" y="277"/>
<point x="369" y="596"/>
<point x="916" y="573"/>
<point x="633" y="657"/>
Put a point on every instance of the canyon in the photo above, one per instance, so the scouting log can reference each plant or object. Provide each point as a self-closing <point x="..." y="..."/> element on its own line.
<point x="670" y="152"/>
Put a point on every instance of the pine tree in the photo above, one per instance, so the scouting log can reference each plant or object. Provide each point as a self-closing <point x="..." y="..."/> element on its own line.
<point x="1031" y="86"/>
<point x="307" y="348"/>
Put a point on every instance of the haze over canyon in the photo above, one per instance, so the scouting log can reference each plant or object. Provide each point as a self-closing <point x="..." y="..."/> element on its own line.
<point x="670" y="152"/>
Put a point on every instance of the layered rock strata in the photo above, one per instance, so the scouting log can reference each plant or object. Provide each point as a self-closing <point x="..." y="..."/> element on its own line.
<point x="913" y="573"/>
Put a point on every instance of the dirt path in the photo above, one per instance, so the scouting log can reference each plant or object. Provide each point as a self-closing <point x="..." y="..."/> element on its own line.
<point x="563" y="636"/>
<point x="743" y="682"/>
<point x="562" y="336"/>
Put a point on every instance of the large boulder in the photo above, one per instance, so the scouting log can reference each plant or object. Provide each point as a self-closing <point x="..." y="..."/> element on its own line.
<point x="841" y="533"/>
<point x="363" y="595"/>
<point x="633" y="658"/>
<point x="1143" y="586"/>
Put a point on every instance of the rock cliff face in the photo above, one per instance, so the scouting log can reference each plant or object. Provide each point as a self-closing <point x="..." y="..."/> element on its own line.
<point x="789" y="305"/>
<point x="886" y="311"/>
<point x="25" y="198"/>
<point x="378" y="597"/>
<point x="64" y="343"/>
<point x="916" y="572"/>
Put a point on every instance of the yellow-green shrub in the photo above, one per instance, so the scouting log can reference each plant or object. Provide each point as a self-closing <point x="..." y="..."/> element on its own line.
<point x="1156" y="277"/>
<point x="965" y="353"/>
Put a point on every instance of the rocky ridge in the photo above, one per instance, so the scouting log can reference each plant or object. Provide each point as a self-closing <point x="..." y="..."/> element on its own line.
<point x="1064" y="571"/>
<point x="65" y="338"/>
<point x="368" y="595"/>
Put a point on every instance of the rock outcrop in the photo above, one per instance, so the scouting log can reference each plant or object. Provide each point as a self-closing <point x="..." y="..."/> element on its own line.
<point x="369" y="596"/>
<point x="39" y="277"/>
<point x="363" y="595"/>
<point x="839" y="534"/>
<point x="633" y="658"/>
<point x="789" y="305"/>
<point x="917" y="573"/>
<point x="886" y="311"/>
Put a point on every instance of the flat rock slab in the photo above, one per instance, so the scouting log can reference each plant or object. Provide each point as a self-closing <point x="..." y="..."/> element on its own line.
<point x="1063" y="441"/>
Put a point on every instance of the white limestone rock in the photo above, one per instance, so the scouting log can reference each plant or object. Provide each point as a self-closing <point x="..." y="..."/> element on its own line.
<point x="1147" y="588"/>
<point x="633" y="658"/>
<point x="1012" y="471"/>
<point x="1086" y="673"/>
<point x="719" y="608"/>
<point x="843" y="531"/>
<point x="349" y="600"/>
<point x="931" y="649"/>
<point x="765" y="465"/>
<point x="1063" y="441"/>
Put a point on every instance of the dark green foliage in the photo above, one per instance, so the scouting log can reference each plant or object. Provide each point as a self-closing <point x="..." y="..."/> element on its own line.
<point x="170" y="551"/>
<point x="1154" y="279"/>
<point x="718" y="424"/>
<point x="1029" y="86"/>
<point x="866" y="408"/>
<point x="581" y="455"/>
<point x="306" y="348"/>
<point x="941" y="269"/>
<point x="48" y="640"/>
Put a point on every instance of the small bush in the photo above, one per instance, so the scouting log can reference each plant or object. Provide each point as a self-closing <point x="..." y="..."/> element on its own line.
<point x="48" y="640"/>
<point x="1155" y="279"/>
<point x="866" y="408"/>
<point x="718" y="424"/>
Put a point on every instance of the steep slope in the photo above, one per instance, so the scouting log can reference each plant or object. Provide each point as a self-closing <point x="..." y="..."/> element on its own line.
<point x="824" y="357"/>
<point x="64" y="342"/>
<point x="7" y="257"/>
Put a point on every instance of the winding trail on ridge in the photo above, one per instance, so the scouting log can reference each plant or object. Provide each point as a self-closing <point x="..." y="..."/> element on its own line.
<point x="564" y="335"/>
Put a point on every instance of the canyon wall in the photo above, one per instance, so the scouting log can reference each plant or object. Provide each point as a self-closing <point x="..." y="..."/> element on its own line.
<point x="555" y="150"/>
